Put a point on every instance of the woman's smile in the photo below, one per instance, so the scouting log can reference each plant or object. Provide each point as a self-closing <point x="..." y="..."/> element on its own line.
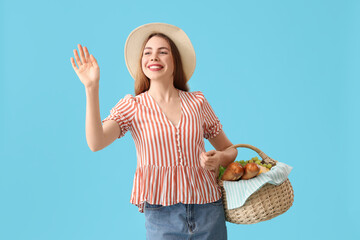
<point x="155" y="67"/>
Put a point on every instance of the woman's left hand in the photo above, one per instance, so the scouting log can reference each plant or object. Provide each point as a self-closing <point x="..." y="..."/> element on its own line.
<point x="211" y="160"/>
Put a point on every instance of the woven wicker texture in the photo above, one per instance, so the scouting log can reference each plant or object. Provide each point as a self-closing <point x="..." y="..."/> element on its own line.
<point x="266" y="203"/>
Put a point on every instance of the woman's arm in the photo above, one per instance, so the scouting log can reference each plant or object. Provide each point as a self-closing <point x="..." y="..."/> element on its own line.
<point x="98" y="136"/>
<point x="228" y="156"/>
<point x="221" y="143"/>
<point x="88" y="71"/>
<point x="212" y="159"/>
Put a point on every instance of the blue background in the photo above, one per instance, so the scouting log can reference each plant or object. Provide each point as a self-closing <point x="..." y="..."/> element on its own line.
<point x="280" y="75"/>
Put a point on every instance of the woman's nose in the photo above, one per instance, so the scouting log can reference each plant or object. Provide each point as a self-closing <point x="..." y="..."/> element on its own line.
<point x="154" y="58"/>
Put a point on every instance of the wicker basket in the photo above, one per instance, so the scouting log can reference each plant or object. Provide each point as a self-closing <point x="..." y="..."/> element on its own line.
<point x="266" y="203"/>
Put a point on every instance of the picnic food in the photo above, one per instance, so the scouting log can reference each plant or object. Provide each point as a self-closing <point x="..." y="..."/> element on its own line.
<point x="233" y="172"/>
<point x="251" y="170"/>
<point x="262" y="170"/>
<point x="257" y="161"/>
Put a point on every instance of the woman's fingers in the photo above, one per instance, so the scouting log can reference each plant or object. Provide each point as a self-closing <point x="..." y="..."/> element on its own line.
<point x="87" y="55"/>
<point x="93" y="60"/>
<point x="204" y="161"/>
<point x="82" y="56"/>
<point x="77" y="58"/>
<point x="208" y="162"/>
<point x="90" y="58"/>
<point x="73" y="64"/>
<point x="210" y="153"/>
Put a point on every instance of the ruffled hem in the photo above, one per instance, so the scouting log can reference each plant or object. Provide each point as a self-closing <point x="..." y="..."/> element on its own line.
<point x="171" y="185"/>
<point x="121" y="120"/>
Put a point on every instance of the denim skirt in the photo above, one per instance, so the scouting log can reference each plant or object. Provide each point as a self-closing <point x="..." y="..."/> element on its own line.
<point x="185" y="221"/>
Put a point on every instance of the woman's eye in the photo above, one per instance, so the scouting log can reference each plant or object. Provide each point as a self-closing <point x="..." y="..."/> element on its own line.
<point x="147" y="53"/>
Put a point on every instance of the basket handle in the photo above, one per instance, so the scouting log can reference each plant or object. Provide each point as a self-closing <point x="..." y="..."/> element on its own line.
<point x="263" y="156"/>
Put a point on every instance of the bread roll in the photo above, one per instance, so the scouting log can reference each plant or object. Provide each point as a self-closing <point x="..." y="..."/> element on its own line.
<point x="250" y="171"/>
<point x="233" y="172"/>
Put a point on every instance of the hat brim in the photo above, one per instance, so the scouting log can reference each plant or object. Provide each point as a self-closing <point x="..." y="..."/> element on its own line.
<point x="137" y="37"/>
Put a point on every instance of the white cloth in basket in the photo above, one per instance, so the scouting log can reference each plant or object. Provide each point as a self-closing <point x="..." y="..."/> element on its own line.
<point x="238" y="191"/>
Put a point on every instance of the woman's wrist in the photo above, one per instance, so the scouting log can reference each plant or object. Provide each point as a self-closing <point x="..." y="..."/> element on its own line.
<point x="228" y="156"/>
<point x="91" y="89"/>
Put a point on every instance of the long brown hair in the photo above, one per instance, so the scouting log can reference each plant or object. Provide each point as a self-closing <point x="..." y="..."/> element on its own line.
<point x="142" y="83"/>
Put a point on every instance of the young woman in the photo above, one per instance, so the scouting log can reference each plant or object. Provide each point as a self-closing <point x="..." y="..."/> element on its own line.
<point x="175" y="180"/>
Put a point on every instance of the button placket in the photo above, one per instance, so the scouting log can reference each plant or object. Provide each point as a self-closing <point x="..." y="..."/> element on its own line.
<point x="179" y="146"/>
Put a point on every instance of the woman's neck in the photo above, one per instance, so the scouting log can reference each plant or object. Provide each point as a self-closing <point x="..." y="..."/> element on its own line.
<point x="163" y="92"/>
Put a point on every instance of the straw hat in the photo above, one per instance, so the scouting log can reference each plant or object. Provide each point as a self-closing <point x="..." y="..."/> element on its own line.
<point x="140" y="34"/>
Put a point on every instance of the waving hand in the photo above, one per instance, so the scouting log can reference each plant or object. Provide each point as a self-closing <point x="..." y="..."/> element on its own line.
<point x="87" y="67"/>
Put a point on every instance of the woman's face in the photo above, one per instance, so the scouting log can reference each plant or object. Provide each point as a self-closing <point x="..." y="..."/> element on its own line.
<point x="157" y="61"/>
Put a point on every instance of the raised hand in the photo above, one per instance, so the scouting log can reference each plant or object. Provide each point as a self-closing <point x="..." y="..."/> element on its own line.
<point x="88" y="69"/>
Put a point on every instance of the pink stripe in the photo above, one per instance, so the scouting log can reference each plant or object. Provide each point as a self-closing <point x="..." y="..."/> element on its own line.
<point x="146" y="129"/>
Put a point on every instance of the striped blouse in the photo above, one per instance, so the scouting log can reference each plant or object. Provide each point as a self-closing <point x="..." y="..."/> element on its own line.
<point x="168" y="157"/>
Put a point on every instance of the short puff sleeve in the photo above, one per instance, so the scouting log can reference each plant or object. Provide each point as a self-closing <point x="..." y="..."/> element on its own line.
<point x="211" y="125"/>
<point x="123" y="113"/>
